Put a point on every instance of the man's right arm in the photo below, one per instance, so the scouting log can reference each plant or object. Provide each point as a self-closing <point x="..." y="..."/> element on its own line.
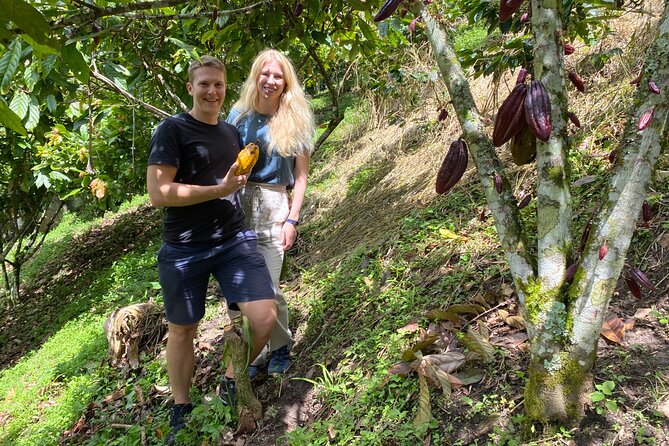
<point x="163" y="191"/>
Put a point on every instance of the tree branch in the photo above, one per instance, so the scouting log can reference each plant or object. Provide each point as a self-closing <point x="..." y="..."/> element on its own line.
<point x="627" y="189"/>
<point x="127" y="9"/>
<point x="503" y="206"/>
<point x="101" y="77"/>
<point x="553" y="195"/>
<point x="166" y="87"/>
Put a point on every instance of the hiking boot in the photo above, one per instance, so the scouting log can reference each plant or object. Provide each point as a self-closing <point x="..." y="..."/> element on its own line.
<point x="226" y="392"/>
<point x="279" y="361"/>
<point x="177" y="414"/>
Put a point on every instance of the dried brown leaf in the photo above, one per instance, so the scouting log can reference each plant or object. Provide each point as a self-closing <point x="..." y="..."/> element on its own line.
<point x="510" y="341"/>
<point x="411" y="327"/>
<point x="613" y="328"/>
<point x="449" y="362"/>
<point x="424" y="412"/>
<point x="482" y="299"/>
<point x="469" y="376"/>
<point x="506" y="290"/>
<point x="475" y="342"/>
<point x="444" y="315"/>
<point x="516" y="322"/>
<point x="409" y="355"/>
<point x="642" y="313"/>
<point x="401" y="369"/>
<point x="466" y="308"/>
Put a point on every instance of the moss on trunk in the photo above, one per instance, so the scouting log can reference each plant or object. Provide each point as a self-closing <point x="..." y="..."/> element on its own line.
<point x="559" y="395"/>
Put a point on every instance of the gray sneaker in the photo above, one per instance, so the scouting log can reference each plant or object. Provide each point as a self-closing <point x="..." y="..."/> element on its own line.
<point x="279" y="361"/>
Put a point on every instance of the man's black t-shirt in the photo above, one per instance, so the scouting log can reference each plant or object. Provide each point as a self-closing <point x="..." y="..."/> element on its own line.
<point x="202" y="154"/>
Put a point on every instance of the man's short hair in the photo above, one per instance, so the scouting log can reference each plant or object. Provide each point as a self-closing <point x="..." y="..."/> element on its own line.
<point x="205" y="61"/>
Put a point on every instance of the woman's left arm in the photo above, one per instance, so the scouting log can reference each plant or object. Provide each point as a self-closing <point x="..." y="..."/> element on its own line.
<point x="289" y="231"/>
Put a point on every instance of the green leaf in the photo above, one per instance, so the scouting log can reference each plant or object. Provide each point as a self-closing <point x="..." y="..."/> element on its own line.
<point x="40" y="49"/>
<point x="71" y="194"/>
<point x="9" y="119"/>
<point x="358" y="5"/>
<point x="33" y="114"/>
<point x="20" y="103"/>
<point x="321" y="38"/>
<point x="9" y="62"/>
<point x="367" y="31"/>
<point x="28" y="19"/>
<point x="42" y="180"/>
<point x="611" y="405"/>
<point x="597" y="396"/>
<point x="190" y="49"/>
<point x="30" y="77"/>
<point x="55" y="175"/>
<point x="75" y="62"/>
<point x="607" y="387"/>
<point x="51" y="103"/>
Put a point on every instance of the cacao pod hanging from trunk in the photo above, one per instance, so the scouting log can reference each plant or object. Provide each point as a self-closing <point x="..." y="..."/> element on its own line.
<point x="538" y="110"/>
<point x="577" y="81"/>
<point x="525" y="201"/>
<point x="453" y="166"/>
<point x="633" y="287"/>
<point x="523" y="147"/>
<point x="641" y="278"/>
<point x="507" y="8"/>
<point x="522" y="75"/>
<point x="645" y="118"/>
<point x="387" y="10"/>
<point x="645" y="211"/>
<point x="652" y="87"/>
<point x="574" y="119"/>
<point x="499" y="183"/>
<point x="510" y="116"/>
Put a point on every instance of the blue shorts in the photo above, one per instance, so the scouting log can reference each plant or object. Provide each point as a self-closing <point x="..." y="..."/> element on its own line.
<point x="184" y="273"/>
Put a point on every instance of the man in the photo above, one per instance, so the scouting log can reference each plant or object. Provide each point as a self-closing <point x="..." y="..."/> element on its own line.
<point x="191" y="174"/>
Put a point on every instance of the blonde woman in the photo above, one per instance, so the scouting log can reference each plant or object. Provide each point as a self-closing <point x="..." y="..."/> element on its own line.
<point x="273" y="112"/>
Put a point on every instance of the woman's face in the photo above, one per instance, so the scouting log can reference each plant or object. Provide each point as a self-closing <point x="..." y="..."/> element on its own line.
<point x="271" y="82"/>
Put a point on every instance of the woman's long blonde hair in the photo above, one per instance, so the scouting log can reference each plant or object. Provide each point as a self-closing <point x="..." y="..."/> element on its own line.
<point x="292" y="127"/>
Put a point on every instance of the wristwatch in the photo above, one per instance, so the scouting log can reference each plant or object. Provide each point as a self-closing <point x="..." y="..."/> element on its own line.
<point x="292" y="222"/>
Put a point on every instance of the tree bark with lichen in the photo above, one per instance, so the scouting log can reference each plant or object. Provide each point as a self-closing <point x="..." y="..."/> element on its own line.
<point x="236" y="336"/>
<point x="563" y="319"/>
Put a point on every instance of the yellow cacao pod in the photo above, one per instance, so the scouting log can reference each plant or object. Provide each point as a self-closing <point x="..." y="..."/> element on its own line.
<point x="247" y="158"/>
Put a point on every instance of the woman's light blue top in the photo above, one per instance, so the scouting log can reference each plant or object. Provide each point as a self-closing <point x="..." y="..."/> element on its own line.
<point x="271" y="169"/>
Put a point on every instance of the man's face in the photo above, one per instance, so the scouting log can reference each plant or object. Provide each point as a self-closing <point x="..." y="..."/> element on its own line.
<point x="208" y="91"/>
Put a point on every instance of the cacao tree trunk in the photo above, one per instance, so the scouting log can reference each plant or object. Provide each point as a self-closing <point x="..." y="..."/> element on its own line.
<point x="563" y="320"/>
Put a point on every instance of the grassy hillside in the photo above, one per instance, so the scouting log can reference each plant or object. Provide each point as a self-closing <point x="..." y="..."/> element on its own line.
<point x="380" y="259"/>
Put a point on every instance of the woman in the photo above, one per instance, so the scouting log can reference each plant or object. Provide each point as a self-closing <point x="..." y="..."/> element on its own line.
<point x="273" y="112"/>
